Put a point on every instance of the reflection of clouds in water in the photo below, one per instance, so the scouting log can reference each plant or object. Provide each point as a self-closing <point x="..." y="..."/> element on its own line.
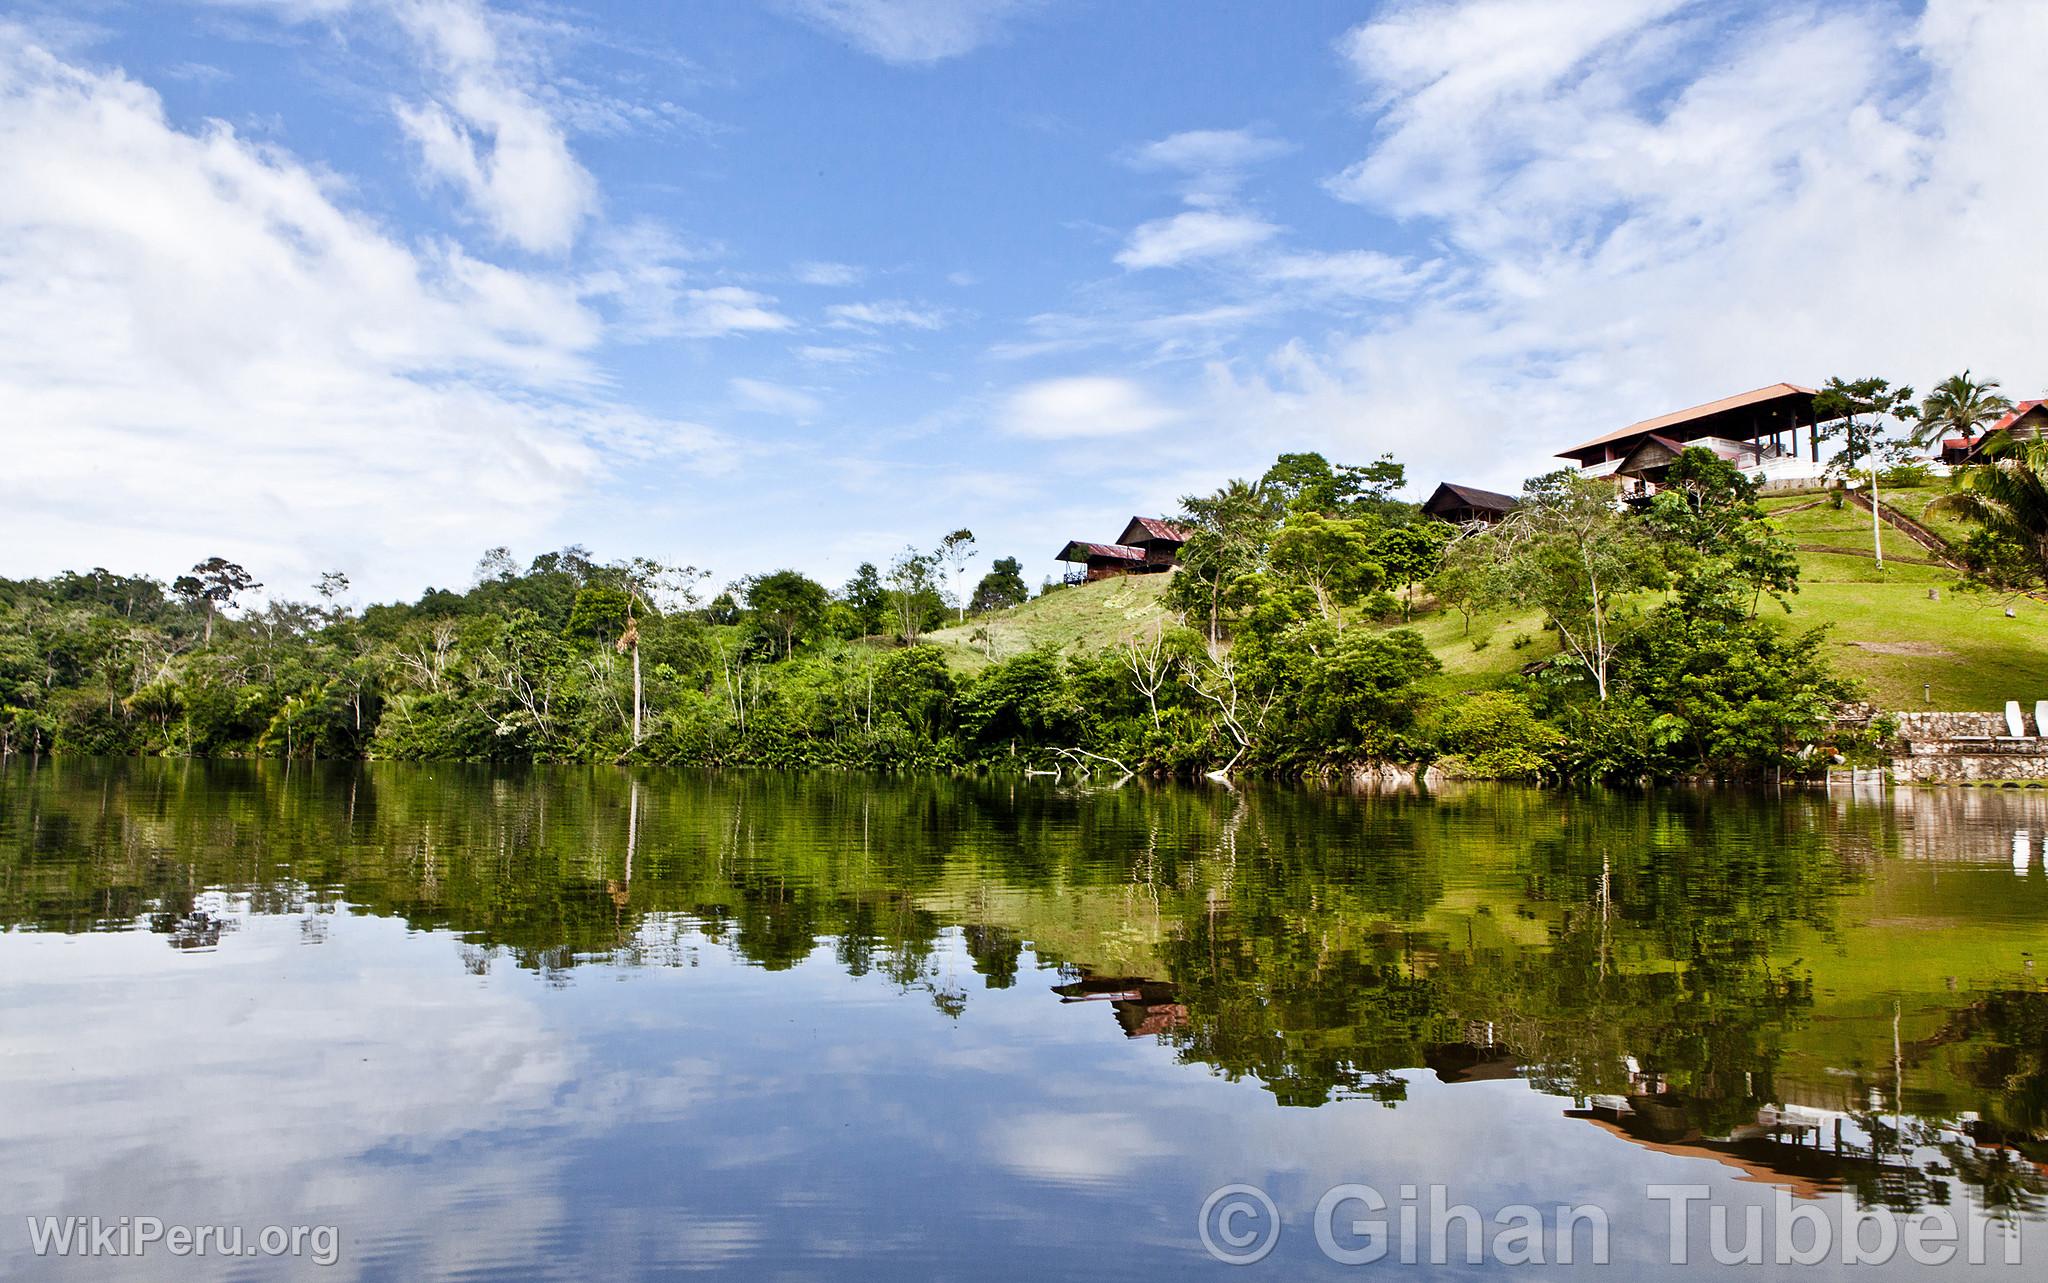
<point x="1074" y="1149"/>
<point x="275" y="1080"/>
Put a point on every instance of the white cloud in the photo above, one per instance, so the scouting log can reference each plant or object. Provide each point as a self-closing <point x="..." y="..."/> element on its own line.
<point x="912" y="31"/>
<point x="201" y="352"/>
<point x="1193" y="234"/>
<point x="489" y="135"/>
<point x="831" y="354"/>
<point x="883" y="313"/>
<point x="1213" y="160"/>
<point x="1082" y="406"/>
<point x="774" y="398"/>
<point x="1197" y="150"/>
<point x="1356" y="272"/>
<point x="1641" y="210"/>
<point x="813" y="273"/>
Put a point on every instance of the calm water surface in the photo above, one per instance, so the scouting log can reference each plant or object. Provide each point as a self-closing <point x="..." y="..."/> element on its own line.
<point x="591" y="1024"/>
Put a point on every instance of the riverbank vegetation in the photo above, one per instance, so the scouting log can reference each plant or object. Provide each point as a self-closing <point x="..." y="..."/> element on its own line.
<point x="1316" y="623"/>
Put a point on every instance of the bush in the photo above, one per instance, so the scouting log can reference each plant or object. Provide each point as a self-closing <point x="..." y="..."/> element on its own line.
<point x="1493" y="735"/>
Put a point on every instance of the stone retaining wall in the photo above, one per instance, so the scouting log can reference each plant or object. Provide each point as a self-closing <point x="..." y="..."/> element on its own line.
<point x="1957" y="768"/>
<point x="1943" y="726"/>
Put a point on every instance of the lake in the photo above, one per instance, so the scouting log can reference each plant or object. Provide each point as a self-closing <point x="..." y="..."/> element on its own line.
<point x="439" y="1022"/>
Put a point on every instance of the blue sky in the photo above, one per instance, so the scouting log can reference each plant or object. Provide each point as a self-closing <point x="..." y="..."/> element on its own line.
<point x="376" y="284"/>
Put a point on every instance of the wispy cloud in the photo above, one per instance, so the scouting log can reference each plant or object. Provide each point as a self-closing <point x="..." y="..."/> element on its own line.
<point x="1193" y="234"/>
<point x="774" y="398"/>
<point x="1212" y="162"/>
<point x="828" y="274"/>
<point x="884" y="314"/>
<point x="912" y="31"/>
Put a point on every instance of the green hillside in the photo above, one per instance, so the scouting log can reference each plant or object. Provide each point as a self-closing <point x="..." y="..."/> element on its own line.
<point x="1083" y="618"/>
<point x="1887" y="632"/>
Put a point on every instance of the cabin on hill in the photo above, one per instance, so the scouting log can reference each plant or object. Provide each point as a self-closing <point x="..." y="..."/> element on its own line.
<point x="2028" y="421"/>
<point x="1147" y="545"/>
<point x="1756" y="431"/>
<point x="1468" y="505"/>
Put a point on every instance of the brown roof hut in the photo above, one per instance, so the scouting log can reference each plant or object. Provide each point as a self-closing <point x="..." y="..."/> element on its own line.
<point x="1466" y="505"/>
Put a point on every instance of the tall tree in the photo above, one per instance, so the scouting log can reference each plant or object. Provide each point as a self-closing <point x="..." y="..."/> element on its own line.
<point x="868" y="599"/>
<point x="1959" y="406"/>
<point x="913" y="582"/>
<point x="648" y="584"/>
<point x="788" y="603"/>
<point x="1410" y="554"/>
<point x="1002" y="587"/>
<point x="217" y="582"/>
<point x="1329" y="556"/>
<point x="1228" y="532"/>
<point x="1860" y="410"/>
<point x="956" y="550"/>
<point x="1723" y="552"/>
<point x="1568" y="551"/>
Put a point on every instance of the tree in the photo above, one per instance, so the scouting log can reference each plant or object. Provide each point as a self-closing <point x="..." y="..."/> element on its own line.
<point x="2008" y="498"/>
<point x="868" y="599"/>
<point x="1227" y="536"/>
<point x="955" y="551"/>
<point x="333" y="586"/>
<point x="647" y="583"/>
<point x="217" y="582"/>
<point x="787" y="602"/>
<point x="1409" y="555"/>
<point x="1329" y="556"/>
<point x="1465" y="576"/>
<point x="1715" y="537"/>
<point x="1860" y="410"/>
<point x="1568" y="551"/>
<point x="1002" y="587"/>
<point x="913" y="582"/>
<point x="1959" y="406"/>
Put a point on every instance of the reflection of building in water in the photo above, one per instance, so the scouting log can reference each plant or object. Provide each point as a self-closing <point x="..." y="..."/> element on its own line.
<point x="1142" y="1007"/>
<point x="1972" y="825"/>
<point x="1808" y="1152"/>
<point x="1479" y="1058"/>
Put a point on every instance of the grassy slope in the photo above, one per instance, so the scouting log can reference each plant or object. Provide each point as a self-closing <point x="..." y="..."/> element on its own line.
<point x="1890" y="636"/>
<point x="1087" y="617"/>
<point x="1886" y="634"/>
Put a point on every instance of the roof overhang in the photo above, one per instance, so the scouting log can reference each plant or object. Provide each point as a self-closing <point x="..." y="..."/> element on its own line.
<point x="1742" y="417"/>
<point x="1078" y="550"/>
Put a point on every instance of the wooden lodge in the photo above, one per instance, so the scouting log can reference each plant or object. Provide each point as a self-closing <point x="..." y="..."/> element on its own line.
<point x="2028" y="421"/>
<point x="1147" y="545"/>
<point x="1468" y="505"/>
<point x="1757" y="431"/>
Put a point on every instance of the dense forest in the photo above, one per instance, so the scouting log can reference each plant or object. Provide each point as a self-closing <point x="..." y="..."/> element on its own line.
<point x="1290" y="657"/>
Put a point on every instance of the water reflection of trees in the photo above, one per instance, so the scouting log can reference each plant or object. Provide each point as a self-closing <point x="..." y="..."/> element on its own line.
<point x="1615" y="948"/>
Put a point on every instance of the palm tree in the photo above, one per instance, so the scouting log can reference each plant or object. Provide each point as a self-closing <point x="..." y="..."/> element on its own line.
<point x="2008" y="497"/>
<point x="1959" y="406"/>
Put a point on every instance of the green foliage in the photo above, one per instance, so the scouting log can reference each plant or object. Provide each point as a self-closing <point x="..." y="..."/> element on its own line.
<point x="787" y="605"/>
<point x="599" y="611"/>
<point x="2007" y="498"/>
<point x="1001" y="588"/>
<point x="1493" y="735"/>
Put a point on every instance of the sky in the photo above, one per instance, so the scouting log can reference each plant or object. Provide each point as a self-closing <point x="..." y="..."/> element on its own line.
<point x="375" y="285"/>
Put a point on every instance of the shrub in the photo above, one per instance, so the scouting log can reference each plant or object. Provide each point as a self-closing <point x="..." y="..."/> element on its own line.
<point x="1493" y="735"/>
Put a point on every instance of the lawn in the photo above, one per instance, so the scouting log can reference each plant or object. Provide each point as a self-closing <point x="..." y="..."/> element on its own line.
<point x="1086" y="617"/>
<point x="1909" y="650"/>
